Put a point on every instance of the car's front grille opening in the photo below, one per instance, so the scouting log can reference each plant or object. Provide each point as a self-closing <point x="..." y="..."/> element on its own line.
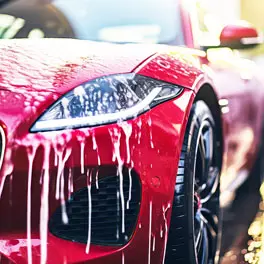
<point x="106" y="215"/>
<point x="2" y="146"/>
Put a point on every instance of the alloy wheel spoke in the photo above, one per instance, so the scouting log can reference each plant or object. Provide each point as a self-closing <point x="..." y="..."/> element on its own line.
<point x="210" y="221"/>
<point x="201" y="242"/>
<point x="205" y="148"/>
<point x="210" y="186"/>
<point x="199" y="231"/>
<point x="203" y="254"/>
<point x="208" y="142"/>
<point x="202" y="152"/>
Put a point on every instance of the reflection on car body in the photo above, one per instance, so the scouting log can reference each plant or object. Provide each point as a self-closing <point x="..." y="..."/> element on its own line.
<point x="170" y="122"/>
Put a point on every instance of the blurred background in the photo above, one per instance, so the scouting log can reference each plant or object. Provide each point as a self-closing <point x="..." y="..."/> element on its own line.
<point x="69" y="18"/>
<point x="243" y="229"/>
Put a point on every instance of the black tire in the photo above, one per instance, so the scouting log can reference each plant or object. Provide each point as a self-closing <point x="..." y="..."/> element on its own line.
<point x="196" y="210"/>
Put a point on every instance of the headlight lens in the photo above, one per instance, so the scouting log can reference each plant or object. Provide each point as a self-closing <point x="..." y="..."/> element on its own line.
<point x="105" y="100"/>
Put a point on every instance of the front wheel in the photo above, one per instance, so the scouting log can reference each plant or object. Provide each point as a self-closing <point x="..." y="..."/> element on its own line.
<point x="195" y="221"/>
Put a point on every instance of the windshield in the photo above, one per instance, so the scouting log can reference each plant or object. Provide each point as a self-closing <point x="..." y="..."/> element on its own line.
<point x="151" y="21"/>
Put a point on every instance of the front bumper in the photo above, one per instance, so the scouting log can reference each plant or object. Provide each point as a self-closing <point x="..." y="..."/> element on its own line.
<point x="152" y="149"/>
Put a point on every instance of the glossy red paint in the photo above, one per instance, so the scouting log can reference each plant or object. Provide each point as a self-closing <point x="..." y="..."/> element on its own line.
<point x="51" y="68"/>
<point x="175" y="66"/>
<point x="159" y="161"/>
<point x="50" y="71"/>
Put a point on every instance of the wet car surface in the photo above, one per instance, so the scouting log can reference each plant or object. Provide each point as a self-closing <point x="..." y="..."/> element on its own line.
<point x="243" y="218"/>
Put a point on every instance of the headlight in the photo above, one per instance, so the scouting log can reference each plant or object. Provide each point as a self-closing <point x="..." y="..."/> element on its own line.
<point x="105" y="100"/>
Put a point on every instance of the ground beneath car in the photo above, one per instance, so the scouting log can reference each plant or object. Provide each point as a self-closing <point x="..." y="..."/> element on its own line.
<point x="243" y="227"/>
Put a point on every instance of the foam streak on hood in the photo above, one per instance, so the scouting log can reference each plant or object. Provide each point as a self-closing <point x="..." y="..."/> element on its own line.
<point x="59" y="65"/>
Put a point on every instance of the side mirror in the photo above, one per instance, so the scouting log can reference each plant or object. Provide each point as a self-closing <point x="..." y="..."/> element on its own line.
<point x="240" y="36"/>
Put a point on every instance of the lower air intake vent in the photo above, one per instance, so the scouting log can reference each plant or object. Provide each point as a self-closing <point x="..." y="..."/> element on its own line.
<point x="106" y="215"/>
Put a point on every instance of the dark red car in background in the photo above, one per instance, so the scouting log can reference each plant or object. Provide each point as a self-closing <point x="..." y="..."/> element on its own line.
<point x="115" y="153"/>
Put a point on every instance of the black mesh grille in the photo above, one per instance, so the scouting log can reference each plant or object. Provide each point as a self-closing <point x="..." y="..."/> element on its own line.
<point x="106" y="220"/>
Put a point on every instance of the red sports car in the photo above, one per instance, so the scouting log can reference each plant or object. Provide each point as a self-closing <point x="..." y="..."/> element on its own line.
<point x="112" y="153"/>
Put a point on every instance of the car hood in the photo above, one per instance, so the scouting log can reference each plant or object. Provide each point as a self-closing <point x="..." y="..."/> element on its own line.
<point x="35" y="73"/>
<point x="58" y="65"/>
